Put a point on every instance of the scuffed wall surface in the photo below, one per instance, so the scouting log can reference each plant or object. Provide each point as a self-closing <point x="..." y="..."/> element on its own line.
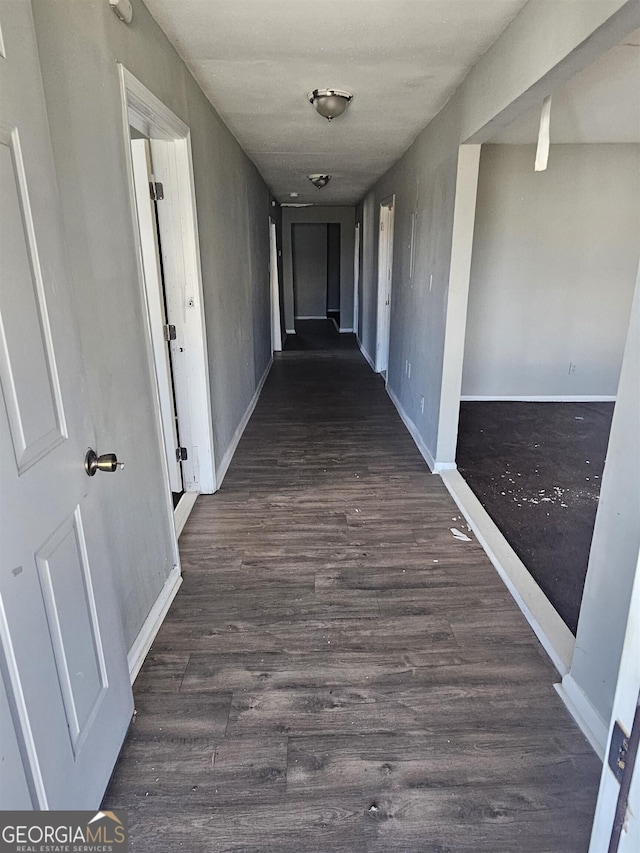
<point x="80" y="44"/>
<point x="547" y="40"/>
<point x="554" y="263"/>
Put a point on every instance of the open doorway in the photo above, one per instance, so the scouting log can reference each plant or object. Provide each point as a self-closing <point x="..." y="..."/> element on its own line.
<point x="551" y="282"/>
<point x="316" y="271"/>
<point x="148" y="195"/>
<point x="385" y="280"/>
<point x="317" y="259"/>
<point x="165" y="231"/>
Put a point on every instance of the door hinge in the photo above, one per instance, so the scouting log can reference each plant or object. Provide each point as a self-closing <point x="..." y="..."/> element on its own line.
<point x="156" y="190"/>
<point x="181" y="454"/>
<point x="169" y="333"/>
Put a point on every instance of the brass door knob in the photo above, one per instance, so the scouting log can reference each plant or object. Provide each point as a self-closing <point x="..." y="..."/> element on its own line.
<point x="107" y="462"/>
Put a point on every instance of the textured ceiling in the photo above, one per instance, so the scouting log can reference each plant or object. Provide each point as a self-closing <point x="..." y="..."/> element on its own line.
<point x="601" y="104"/>
<point x="256" y="60"/>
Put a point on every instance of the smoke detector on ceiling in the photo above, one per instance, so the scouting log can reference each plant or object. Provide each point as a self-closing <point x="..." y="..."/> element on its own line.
<point x="319" y="180"/>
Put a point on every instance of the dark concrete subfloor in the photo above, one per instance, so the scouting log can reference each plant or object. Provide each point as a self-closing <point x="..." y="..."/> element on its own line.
<point x="318" y="335"/>
<point x="536" y="468"/>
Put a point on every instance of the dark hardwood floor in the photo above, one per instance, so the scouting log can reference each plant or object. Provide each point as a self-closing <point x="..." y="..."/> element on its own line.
<point x="338" y="672"/>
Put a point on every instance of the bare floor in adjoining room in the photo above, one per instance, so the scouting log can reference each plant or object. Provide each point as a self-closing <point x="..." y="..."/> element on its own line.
<point x="536" y="468"/>
<point x="338" y="671"/>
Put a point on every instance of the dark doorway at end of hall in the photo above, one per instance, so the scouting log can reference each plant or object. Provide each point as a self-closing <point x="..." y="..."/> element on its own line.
<point x="316" y="272"/>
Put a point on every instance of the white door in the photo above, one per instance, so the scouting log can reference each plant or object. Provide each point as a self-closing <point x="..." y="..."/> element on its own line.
<point x="356" y="280"/>
<point x="65" y="696"/>
<point x="156" y="306"/>
<point x="385" y="277"/>
<point x="276" y="329"/>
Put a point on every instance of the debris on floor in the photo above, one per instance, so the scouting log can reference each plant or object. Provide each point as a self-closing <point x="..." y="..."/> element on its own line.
<point x="458" y="534"/>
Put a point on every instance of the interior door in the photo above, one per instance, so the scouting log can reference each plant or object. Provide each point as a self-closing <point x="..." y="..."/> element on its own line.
<point x="276" y="329"/>
<point x="65" y="694"/>
<point x="156" y="305"/>
<point x="385" y="278"/>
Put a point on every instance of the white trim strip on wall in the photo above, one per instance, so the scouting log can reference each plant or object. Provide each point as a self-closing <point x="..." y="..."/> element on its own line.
<point x="183" y="510"/>
<point x="591" y="723"/>
<point x="519" y="398"/>
<point x="415" y="435"/>
<point x="556" y="639"/>
<point x="233" y="444"/>
<point x="152" y="623"/>
<point x="364" y="352"/>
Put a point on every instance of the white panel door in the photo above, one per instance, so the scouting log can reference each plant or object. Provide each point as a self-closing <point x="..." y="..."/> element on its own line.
<point x="65" y="696"/>
<point x="154" y="293"/>
<point x="385" y="278"/>
<point x="276" y="329"/>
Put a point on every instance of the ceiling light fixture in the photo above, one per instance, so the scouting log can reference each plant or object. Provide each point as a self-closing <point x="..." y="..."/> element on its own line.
<point x="319" y="180"/>
<point x="330" y="103"/>
<point x="123" y="10"/>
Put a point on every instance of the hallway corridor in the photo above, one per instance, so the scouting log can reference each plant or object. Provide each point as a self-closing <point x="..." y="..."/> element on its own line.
<point x="338" y="672"/>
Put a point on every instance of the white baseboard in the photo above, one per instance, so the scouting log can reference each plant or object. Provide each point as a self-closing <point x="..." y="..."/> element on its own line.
<point x="438" y="467"/>
<point x="593" y="726"/>
<point x="415" y="435"/>
<point x="233" y="444"/>
<point x="182" y="512"/>
<point x="345" y="331"/>
<point x="556" y="639"/>
<point x="152" y="623"/>
<point x="335" y="324"/>
<point x="312" y="317"/>
<point x="551" y="398"/>
<point x="366" y="354"/>
<point x="290" y="331"/>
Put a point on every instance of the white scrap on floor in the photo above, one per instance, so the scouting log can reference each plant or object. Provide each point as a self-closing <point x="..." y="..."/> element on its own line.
<point x="458" y="534"/>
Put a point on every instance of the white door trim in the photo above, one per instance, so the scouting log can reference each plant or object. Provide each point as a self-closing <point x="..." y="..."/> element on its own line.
<point x="356" y="279"/>
<point x="276" y="327"/>
<point x="153" y="288"/>
<point x="385" y="281"/>
<point x="464" y="215"/>
<point x="624" y="706"/>
<point x="171" y="152"/>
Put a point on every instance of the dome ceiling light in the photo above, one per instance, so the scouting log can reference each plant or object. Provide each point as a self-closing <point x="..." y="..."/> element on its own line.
<point x="330" y="103"/>
<point x="319" y="180"/>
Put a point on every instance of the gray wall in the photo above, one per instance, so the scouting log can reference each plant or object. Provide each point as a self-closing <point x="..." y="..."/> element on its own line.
<point x="616" y="540"/>
<point x="345" y="217"/>
<point x="555" y="256"/>
<point x="543" y="47"/>
<point x="309" y="248"/>
<point x="79" y="44"/>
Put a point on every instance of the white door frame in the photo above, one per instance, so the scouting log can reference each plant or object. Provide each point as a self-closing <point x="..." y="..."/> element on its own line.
<point x="276" y="326"/>
<point x="154" y="286"/>
<point x="464" y="218"/>
<point x="624" y="707"/>
<point x="356" y="280"/>
<point x="171" y="151"/>
<point x="385" y="281"/>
